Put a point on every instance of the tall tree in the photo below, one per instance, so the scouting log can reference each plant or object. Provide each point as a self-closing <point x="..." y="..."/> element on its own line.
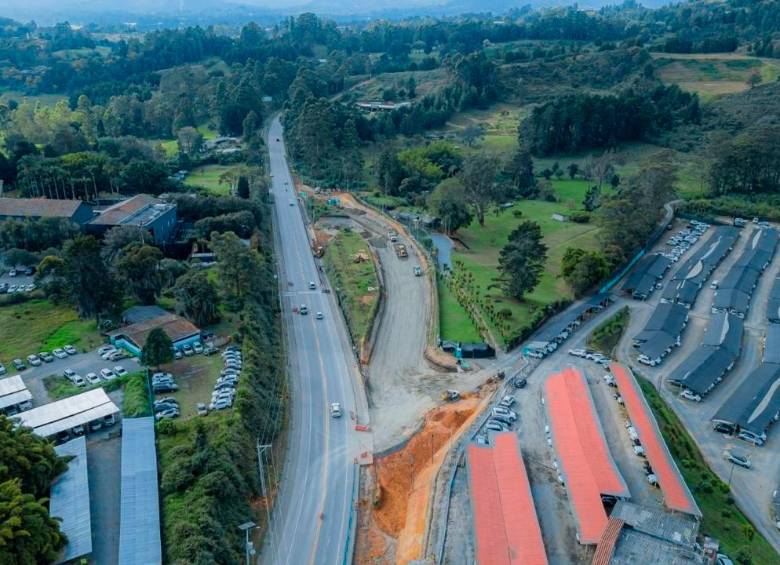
<point x="479" y="180"/>
<point x="521" y="261"/>
<point x="88" y="281"/>
<point x="198" y="298"/>
<point x="520" y="170"/>
<point x="448" y="202"/>
<point x="583" y="269"/>
<point x="158" y="349"/>
<point x="139" y="268"/>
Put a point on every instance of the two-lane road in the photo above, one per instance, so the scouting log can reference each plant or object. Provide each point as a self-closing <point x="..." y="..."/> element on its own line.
<point x="312" y="519"/>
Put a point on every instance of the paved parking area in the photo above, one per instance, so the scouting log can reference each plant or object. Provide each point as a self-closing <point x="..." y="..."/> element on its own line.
<point x="82" y="363"/>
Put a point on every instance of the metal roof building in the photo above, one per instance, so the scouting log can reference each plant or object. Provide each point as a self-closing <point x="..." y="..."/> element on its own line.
<point x="559" y="327"/>
<point x="585" y="461"/>
<point x="139" y="528"/>
<point x="35" y="208"/>
<point x="68" y="413"/>
<point x="506" y="528"/>
<point x="141" y="210"/>
<point x="662" y="331"/>
<point x="754" y="405"/>
<point x="773" y="307"/>
<point x="69" y="500"/>
<point x="676" y="493"/>
<point x="724" y="330"/>
<point x="772" y="344"/>
<point x="642" y="280"/>
<point x="13" y="393"/>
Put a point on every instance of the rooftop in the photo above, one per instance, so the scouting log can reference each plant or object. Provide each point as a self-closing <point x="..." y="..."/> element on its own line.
<point x="140" y="210"/>
<point x="69" y="500"/>
<point x="65" y="414"/>
<point x="506" y="527"/>
<point x="675" y="491"/>
<point x="755" y="403"/>
<point x="139" y="527"/>
<point x="586" y="464"/>
<point x="38" y="207"/>
<point x="773" y="307"/>
<point x="174" y="326"/>
<point x="13" y="391"/>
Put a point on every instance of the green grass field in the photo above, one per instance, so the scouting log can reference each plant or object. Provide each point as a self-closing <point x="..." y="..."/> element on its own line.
<point x="721" y="517"/>
<point x="207" y="177"/>
<point x="38" y="325"/>
<point x="484" y="243"/>
<point x="356" y="283"/>
<point x="43" y="99"/>
<point x="454" y="322"/>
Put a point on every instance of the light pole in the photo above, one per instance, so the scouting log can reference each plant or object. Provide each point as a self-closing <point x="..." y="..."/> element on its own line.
<point x="247" y="527"/>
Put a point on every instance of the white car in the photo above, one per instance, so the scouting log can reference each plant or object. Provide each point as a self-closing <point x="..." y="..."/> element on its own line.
<point x="105" y="349"/>
<point x="335" y="410"/>
<point x="92" y="378"/>
<point x="197" y="347"/>
<point x="320" y="316"/>
<point x="577" y="352"/>
<point x="34" y="360"/>
<point x="120" y="371"/>
<point x="59" y="353"/>
<point x="70" y="350"/>
<point x="689" y="395"/>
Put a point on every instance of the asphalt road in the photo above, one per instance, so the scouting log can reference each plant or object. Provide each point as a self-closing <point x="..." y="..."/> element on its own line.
<point x="314" y="511"/>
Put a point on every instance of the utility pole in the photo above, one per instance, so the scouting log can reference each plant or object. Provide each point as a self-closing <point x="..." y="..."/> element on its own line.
<point x="263" y="489"/>
<point x="246" y="527"/>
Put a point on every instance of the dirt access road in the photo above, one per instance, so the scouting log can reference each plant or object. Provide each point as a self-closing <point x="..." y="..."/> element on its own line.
<point x="402" y="385"/>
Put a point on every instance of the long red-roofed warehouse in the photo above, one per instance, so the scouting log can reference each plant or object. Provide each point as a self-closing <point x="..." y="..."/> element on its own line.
<point x="675" y="491"/>
<point x="585" y="462"/>
<point x="506" y="527"/>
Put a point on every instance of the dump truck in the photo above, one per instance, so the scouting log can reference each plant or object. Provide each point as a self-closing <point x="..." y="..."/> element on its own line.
<point x="400" y="251"/>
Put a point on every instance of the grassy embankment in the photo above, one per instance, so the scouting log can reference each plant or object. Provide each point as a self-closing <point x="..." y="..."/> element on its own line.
<point x="355" y="282"/>
<point x="721" y="517"/>
<point x="607" y="335"/>
<point x="39" y="325"/>
<point x="454" y="321"/>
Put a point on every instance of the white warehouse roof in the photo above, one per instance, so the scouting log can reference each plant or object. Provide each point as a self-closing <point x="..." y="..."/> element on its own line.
<point x="13" y="391"/>
<point x="69" y="500"/>
<point x="66" y="414"/>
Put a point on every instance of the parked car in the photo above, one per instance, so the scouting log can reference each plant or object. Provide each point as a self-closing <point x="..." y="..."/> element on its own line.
<point x="70" y="350"/>
<point x="508" y="401"/>
<point x="220" y="405"/>
<point x="109" y="354"/>
<point x="188" y="352"/>
<point x="202" y="408"/>
<point x="12" y="273"/>
<point x="165" y="387"/>
<point x="34" y="360"/>
<point x="117" y="355"/>
<point x="120" y="371"/>
<point x="103" y="349"/>
<point x="210" y="350"/>
<point x="177" y="354"/>
<point x="737" y="458"/>
<point x="92" y="378"/>
<point x="496" y="426"/>
<point x="197" y="347"/>
<point x="690" y="395"/>
<point x="107" y="374"/>
<point x="46" y="356"/>
<point x="2" y="369"/>
<point x="59" y="353"/>
<point x="577" y="352"/>
<point x="519" y="382"/>
<point x="18" y="364"/>
<point x="168" y="413"/>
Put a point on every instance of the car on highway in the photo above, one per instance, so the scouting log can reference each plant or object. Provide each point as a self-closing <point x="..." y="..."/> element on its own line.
<point x="303" y="310"/>
<point x="417" y="271"/>
<point x="737" y="458"/>
<point x="320" y="316"/>
<point x="292" y="202"/>
<point x="59" y="353"/>
<point x="690" y="395"/>
<point x="312" y="285"/>
<point x="335" y="410"/>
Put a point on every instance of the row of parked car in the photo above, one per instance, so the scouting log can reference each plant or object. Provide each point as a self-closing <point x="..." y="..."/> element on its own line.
<point x="163" y="382"/>
<point x="106" y="374"/>
<point x="590" y="355"/>
<point x="684" y="239"/>
<point x="195" y="349"/>
<point x="225" y="388"/>
<point x="38" y="359"/>
<point x="502" y="417"/>
<point x="6" y="288"/>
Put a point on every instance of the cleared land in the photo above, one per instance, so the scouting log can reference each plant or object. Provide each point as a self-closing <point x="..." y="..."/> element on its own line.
<point x="427" y="82"/>
<point x="39" y="325"/>
<point x="350" y="267"/>
<point x="721" y="517"/>
<point x="207" y="177"/>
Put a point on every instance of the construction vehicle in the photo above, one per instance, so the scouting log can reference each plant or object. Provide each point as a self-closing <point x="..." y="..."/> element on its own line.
<point x="450" y="395"/>
<point x="400" y="251"/>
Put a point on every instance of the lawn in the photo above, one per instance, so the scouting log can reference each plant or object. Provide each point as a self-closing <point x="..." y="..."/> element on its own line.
<point x="59" y="387"/>
<point x="499" y="126"/>
<point x="721" y="517"/>
<point x="355" y="281"/>
<point x="454" y="321"/>
<point x="38" y="325"/>
<point x="207" y="177"/>
<point x="480" y="258"/>
<point x="195" y="376"/>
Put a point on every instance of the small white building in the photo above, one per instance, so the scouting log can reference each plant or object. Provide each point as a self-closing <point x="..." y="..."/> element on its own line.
<point x="73" y="415"/>
<point x="14" y="396"/>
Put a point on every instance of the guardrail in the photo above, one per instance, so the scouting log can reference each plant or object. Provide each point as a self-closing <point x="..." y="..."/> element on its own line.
<point x="349" y="547"/>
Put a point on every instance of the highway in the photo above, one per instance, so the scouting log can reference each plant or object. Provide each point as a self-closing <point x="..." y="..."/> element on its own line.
<point x="313" y="519"/>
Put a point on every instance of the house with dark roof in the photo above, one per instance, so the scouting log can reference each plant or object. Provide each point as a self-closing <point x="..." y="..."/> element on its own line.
<point x="142" y="210"/>
<point x="645" y="276"/>
<point x="754" y="406"/>
<point x="76" y="211"/>
<point x="661" y="333"/>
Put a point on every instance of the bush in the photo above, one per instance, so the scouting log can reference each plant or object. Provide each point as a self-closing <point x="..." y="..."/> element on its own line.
<point x="580" y="217"/>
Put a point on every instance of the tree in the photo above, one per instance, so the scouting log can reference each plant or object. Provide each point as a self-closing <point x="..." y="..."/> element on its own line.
<point x="198" y="298"/>
<point x="592" y="199"/>
<point x="583" y="269"/>
<point x="520" y="170"/>
<point x="600" y="168"/>
<point x="138" y="267"/>
<point x="754" y="79"/>
<point x="472" y="133"/>
<point x="158" y="349"/>
<point x="88" y="282"/>
<point x="238" y="266"/>
<point x="242" y="190"/>
<point x="573" y="169"/>
<point x="119" y="237"/>
<point x="479" y="181"/>
<point x="190" y="140"/>
<point x="521" y="261"/>
<point x="448" y="202"/>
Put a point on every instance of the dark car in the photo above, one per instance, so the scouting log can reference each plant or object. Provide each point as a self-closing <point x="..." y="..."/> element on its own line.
<point x="18" y="364"/>
<point x="29" y="271"/>
<point x="519" y="382"/>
